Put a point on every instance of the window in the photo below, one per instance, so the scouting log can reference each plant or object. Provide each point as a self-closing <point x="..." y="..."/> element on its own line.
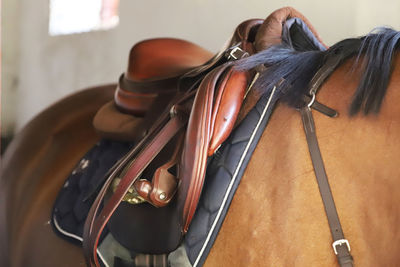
<point x="76" y="16"/>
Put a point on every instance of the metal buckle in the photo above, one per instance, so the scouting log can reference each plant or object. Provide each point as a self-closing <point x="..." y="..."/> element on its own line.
<point x="173" y="111"/>
<point x="131" y="197"/>
<point x="237" y="53"/>
<point x="339" y="243"/>
<point x="311" y="101"/>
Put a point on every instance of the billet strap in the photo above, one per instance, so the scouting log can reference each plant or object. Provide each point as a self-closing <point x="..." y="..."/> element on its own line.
<point x="340" y="245"/>
<point x="94" y="225"/>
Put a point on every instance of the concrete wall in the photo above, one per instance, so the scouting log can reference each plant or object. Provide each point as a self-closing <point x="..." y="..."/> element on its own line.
<point x="39" y="69"/>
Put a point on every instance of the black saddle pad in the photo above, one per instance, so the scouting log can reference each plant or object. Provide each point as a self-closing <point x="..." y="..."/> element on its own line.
<point x="79" y="191"/>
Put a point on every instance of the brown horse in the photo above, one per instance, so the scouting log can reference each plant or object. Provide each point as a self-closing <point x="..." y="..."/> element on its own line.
<point x="276" y="217"/>
<point x="34" y="167"/>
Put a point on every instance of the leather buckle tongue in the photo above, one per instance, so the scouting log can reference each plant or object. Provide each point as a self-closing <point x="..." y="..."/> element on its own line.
<point x="314" y="104"/>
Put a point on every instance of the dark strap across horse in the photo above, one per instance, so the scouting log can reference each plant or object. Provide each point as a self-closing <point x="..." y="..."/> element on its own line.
<point x="340" y="245"/>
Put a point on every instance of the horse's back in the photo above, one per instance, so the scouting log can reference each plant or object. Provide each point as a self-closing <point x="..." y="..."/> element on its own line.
<point x="35" y="166"/>
<point x="277" y="217"/>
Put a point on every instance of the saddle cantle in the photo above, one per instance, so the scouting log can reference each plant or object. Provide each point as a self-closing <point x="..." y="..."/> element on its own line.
<point x="154" y="69"/>
<point x="149" y="83"/>
<point x="200" y="103"/>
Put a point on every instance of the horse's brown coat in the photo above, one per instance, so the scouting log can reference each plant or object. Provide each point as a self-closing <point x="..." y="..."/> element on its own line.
<point x="36" y="165"/>
<point x="276" y="217"/>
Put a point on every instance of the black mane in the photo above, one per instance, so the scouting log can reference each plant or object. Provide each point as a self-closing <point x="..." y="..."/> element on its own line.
<point x="298" y="68"/>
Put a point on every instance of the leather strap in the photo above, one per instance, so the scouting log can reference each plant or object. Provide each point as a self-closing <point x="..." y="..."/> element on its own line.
<point x="340" y="245"/>
<point x="160" y="190"/>
<point x="94" y="225"/>
<point x="149" y="87"/>
<point x="334" y="59"/>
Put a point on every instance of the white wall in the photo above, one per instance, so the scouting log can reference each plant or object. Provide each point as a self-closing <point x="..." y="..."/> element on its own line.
<point x="39" y="69"/>
<point x="9" y="60"/>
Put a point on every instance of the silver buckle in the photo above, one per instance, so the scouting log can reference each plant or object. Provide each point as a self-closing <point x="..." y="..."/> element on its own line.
<point x="312" y="103"/>
<point x="339" y="243"/>
<point x="237" y="53"/>
<point x="173" y="111"/>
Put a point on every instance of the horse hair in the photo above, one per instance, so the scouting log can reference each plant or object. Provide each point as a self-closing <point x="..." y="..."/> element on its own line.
<point x="293" y="69"/>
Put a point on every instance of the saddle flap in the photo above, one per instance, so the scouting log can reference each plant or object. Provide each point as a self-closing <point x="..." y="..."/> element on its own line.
<point x="211" y="121"/>
<point x="112" y="124"/>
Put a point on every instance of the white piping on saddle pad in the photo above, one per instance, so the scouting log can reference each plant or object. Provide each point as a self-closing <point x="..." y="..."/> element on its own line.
<point x="77" y="238"/>
<point x="234" y="177"/>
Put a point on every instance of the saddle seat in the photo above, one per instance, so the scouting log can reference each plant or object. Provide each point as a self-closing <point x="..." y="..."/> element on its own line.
<point x="154" y="68"/>
<point x="162" y="58"/>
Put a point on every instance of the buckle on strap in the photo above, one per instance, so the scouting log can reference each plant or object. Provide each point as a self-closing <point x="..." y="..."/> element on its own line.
<point x="339" y="243"/>
<point x="237" y="53"/>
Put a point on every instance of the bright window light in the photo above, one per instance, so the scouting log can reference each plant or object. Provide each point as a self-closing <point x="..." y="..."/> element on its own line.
<point x="76" y="16"/>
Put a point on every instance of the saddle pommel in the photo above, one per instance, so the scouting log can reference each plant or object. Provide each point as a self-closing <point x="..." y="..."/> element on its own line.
<point x="270" y="32"/>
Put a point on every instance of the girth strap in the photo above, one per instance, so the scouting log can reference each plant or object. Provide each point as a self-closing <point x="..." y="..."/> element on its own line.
<point x="340" y="245"/>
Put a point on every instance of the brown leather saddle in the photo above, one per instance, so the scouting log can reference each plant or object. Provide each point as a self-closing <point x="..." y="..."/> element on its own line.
<point x="178" y="103"/>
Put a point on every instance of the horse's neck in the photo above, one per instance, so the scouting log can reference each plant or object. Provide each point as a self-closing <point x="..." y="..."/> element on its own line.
<point x="277" y="215"/>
